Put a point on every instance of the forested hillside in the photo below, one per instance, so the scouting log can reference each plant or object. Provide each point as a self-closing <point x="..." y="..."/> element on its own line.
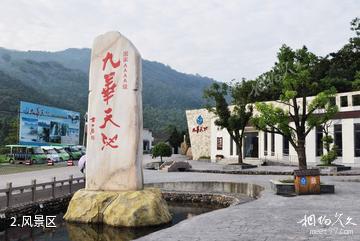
<point x="60" y="79"/>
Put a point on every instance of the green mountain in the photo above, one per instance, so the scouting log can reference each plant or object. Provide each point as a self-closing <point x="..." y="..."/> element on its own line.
<point x="60" y="79"/>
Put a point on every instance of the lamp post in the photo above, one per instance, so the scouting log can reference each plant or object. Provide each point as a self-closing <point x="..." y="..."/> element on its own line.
<point x="85" y="129"/>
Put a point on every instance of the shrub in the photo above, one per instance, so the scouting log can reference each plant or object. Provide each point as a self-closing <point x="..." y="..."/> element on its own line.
<point x="161" y="150"/>
<point x="205" y="157"/>
<point x="329" y="157"/>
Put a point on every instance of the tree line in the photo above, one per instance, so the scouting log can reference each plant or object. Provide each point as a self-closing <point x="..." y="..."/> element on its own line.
<point x="297" y="74"/>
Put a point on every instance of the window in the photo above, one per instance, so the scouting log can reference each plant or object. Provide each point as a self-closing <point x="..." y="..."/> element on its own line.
<point x="318" y="141"/>
<point x="219" y="143"/>
<point x="338" y="138"/>
<point x="285" y="146"/>
<point x="356" y="100"/>
<point x="273" y="143"/>
<point x="343" y="101"/>
<point x="231" y="146"/>
<point x="265" y="143"/>
<point x="357" y="139"/>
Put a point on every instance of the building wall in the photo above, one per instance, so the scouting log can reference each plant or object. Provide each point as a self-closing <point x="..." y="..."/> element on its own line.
<point x="205" y="143"/>
<point x="199" y="133"/>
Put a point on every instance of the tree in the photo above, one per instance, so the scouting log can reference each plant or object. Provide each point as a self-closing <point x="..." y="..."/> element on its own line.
<point x="339" y="69"/>
<point x="12" y="132"/>
<point x="234" y="119"/>
<point x="175" y="138"/>
<point x="295" y="116"/>
<point x="161" y="150"/>
<point x="331" y="152"/>
<point x="187" y="137"/>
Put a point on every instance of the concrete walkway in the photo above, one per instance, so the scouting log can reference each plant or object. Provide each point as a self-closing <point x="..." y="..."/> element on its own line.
<point x="271" y="217"/>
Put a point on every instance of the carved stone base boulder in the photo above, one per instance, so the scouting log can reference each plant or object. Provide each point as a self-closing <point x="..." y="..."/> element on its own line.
<point x="121" y="209"/>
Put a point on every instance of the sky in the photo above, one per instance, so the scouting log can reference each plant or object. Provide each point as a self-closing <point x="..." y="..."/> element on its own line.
<point x="221" y="39"/>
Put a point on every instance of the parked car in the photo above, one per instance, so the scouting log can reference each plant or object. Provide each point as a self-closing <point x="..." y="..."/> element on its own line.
<point x="51" y="153"/>
<point x="64" y="156"/>
<point x="74" y="152"/>
<point x="22" y="153"/>
<point x="82" y="149"/>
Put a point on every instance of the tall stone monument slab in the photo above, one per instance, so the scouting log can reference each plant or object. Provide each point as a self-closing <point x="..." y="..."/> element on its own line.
<point x="115" y="124"/>
<point x="114" y="192"/>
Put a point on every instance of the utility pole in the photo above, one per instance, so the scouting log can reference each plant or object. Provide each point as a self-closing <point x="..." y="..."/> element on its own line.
<point x="85" y="128"/>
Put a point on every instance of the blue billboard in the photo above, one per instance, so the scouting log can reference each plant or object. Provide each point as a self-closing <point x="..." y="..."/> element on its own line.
<point x="44" y="125"/>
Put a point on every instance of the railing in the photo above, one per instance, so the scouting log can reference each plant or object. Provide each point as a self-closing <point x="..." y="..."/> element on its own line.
<point x="30" y="193"/>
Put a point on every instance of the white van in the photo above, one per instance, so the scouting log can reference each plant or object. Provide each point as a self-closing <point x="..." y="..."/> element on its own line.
<point x="51" y="153"/>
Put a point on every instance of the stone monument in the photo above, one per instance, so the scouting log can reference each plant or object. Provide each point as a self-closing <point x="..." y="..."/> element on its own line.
<point x="114" y="182"/>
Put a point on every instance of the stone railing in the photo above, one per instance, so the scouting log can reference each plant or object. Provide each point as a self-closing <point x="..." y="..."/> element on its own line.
<point x="14" y="196"/>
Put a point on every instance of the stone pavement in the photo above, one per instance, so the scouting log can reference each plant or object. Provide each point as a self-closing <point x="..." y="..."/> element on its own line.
<point x="271" y="217"/>
<point x="222" y="167"/>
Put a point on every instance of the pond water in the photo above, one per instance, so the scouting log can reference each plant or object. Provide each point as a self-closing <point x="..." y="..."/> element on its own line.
<point x="84" y="232"/>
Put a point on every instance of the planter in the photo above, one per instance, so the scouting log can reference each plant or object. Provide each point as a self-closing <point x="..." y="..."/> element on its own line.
<point x="307" y="181"/>
<point x="334" y="167"/>
<point x="288" y="189"/>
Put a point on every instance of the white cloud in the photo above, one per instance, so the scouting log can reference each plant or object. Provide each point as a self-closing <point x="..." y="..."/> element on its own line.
<point x="221" y="39"/>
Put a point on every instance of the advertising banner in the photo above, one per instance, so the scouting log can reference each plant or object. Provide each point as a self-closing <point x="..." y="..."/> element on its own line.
<point x="42" y="125"/>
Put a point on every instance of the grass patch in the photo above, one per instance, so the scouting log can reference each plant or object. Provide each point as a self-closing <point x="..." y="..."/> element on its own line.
<point x="2" y="158"/>
<point x="16" y="168"/>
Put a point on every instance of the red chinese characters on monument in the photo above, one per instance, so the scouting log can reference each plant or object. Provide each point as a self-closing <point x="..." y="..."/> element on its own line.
<point x="109" y="89"/>
<point x="109" y="56"/>
<point x="108" y="92"/>
<point x="92" y="129"/>
<point x="108" y="118"/>
<point x="108" y="141"/>
<point x="125" y="70"/>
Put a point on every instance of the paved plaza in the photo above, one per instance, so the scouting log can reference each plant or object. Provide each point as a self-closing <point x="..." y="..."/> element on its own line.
<point x="270" y="217"/>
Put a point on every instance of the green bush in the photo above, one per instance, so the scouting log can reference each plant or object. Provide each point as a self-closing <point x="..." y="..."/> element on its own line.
<point x="329" y="157"/>
<point x="4" y="150"/>
<point x="205" y="157"/>
<point x="331" y="154"/>
<point x="161" y="150"/>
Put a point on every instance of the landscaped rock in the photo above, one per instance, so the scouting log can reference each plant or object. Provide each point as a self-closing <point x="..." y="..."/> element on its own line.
<point x="183" y="148"/>
<point x="189" y="153"/>
<point x="175" y="166"/>
<point x="136" y="209"/>
<point x="126" y="208"/>
<point x="152" y="165"/>
<point x="87" y="206"/>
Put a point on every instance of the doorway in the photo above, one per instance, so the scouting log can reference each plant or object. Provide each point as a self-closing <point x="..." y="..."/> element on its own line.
<point x="251" y="145"/>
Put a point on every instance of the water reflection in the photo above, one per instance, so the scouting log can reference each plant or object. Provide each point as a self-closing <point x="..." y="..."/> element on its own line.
<point x="86" y="232"/>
